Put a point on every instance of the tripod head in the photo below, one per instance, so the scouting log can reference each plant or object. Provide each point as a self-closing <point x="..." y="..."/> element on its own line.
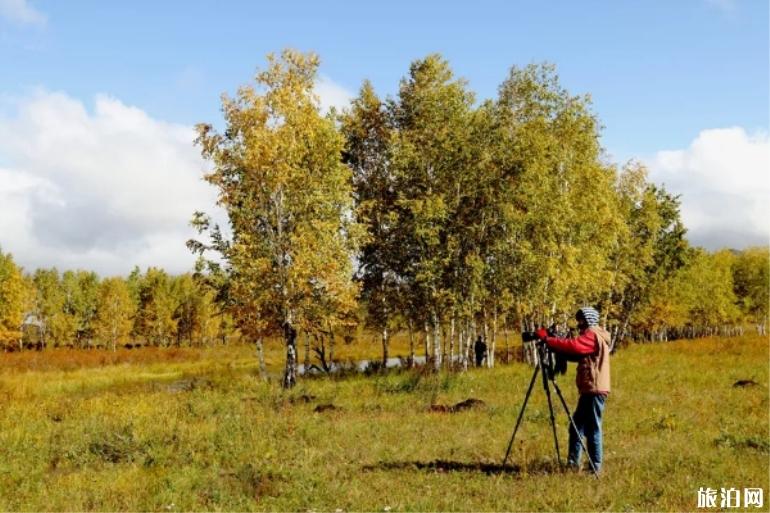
<point x="550" y="362"/>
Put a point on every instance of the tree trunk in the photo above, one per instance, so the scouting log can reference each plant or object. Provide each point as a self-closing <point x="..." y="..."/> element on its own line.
<point x="486" y="337"/>
<point x="331" y="347"/>
<point x="384" y="346"/>
<point x="290" y="373"/>
<point x="493" y="345"/>
<point x="261" y="360"/>
<point x="621" y="334"/>
<point x="320" y="350"/>
<point x="307" y="351"/>
<point x="460" y="343"/>
<point x="468" y="345"/>
<point x="411" y="345"/>
<point x="436" y="342"/>
<point x="444" y="346"/>
<point x="452" y="342"/>
<point x="472" y="334"/>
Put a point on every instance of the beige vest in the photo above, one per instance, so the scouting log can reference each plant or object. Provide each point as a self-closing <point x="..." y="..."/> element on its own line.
<point x="593" y="371"/>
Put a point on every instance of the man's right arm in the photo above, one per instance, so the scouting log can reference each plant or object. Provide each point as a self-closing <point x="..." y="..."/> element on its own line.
<point x="582" y="345"/>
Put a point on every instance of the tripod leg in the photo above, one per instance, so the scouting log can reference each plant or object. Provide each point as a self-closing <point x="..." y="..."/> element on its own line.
<point x="572" y="423"/>
<point x="553" y="420"/>
<point x="521" y="414"/>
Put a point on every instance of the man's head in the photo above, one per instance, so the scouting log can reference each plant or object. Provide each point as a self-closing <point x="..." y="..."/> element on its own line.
<point x="587" y="316"/>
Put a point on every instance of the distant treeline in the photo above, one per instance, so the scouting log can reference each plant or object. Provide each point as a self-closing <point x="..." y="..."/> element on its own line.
<point x="79" y="309"/>
<point x="714" y="294"/>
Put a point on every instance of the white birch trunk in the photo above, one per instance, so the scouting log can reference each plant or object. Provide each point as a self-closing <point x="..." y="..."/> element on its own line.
<point x="261" y="360"/>
<point x="451" y="342"/>
<point x="384" y="346"/>
<point x="436" y="342"/>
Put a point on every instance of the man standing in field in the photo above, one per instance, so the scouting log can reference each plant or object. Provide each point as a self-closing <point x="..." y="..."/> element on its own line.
<point x="591" y="350"/>
<point x="480" y="348"/>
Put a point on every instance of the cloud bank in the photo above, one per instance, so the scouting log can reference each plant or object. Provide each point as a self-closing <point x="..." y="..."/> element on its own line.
<point x="105" y="189"/>
<point x="723" y="178"/>
<point x="109" y="187"/>
<point x="19" y="11"/>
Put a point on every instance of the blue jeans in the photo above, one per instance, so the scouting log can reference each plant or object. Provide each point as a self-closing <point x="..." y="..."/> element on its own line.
<point x="588" y="419"/>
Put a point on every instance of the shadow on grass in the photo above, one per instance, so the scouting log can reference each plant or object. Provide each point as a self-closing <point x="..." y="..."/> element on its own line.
<point x="444" y="466"/>
<point x="533" y="467"/>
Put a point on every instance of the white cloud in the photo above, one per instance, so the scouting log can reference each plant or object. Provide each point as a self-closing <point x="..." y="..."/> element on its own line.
<point x="726" y="6"/>
<point x="332" y="94"/>
<point x="724" y="182"/>
<point x="105" y="189"/>
<point x="19" y="11"/>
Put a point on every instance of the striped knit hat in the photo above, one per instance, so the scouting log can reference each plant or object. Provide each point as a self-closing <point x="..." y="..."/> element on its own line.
<point x="590" y="315"/>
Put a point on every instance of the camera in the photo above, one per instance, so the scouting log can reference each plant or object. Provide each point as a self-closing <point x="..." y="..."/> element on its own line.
<point x="553" y="363"/>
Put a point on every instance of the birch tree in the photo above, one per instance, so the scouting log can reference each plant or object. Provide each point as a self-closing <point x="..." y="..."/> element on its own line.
<point x="368" y="130"/>
<point x="288" y="196"/>
<point x="13" y="294"/>
<point x="58" y="327"/>
<point x="155" y="316"/>
<point x="751" y="280"/>
<point x="114" y="317"/>
<point x="429" y="158"/>
<point x="563" y="219"/>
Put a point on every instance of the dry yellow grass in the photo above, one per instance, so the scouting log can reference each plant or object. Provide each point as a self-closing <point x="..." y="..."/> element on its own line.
<point x="205" y="433"/>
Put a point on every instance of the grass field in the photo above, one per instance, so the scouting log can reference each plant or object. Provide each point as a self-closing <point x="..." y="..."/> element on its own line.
<point x="176" y="430"/>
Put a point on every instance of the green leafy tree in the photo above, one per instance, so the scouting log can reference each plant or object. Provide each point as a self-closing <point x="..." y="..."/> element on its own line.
<point x="58" y="327"/>
<point x="698" y="299"/>
<point x="187" y="313"/>
<point x="670" y="254"/>
<point x="13" y="298"/>
<point x="632" y="260"/>
<point x="429" y="157"/>
<point x="288" y="197"/>
<point x="81" y="296"/>
<point x="368" y="129"/>
<point x="711" y="278"/>
<point x="114" y="318"/>
<point x="563" y="220"/>
<point x="751" y="279"/>
<point x="155" y="321"/>
<point x="196" y="314"/>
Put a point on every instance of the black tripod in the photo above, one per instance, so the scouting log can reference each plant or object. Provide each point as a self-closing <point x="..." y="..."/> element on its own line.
<point x="545" y="366"/>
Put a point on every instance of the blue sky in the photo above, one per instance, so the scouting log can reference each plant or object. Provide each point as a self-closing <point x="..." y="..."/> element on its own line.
<point x="661" y="73"/>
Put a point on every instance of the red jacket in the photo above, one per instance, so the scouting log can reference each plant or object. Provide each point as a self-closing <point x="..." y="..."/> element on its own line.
<point x="584" y="344"/>
<point x="591" y="347"/>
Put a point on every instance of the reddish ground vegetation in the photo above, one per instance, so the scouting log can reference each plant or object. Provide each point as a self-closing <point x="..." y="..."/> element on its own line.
<point x="72" y="359"/>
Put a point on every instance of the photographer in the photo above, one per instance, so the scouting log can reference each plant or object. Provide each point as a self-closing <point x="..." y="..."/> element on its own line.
<point x="591" y="350"/>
